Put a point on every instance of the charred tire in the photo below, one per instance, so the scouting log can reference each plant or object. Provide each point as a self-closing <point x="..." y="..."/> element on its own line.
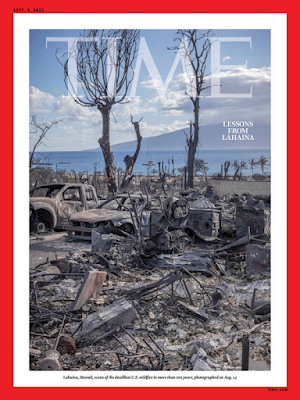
<point x="128" y="228"/>
<point x="41" y="221"/>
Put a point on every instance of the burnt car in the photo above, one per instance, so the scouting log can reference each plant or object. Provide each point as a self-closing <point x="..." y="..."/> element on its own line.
<point x="51" y="205"/>
<point x="115" y="212"/>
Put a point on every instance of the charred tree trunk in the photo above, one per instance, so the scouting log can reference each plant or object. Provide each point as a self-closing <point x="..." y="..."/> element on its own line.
<point x="226" y="168"/>
<point x="104" y="65"/>
<point x="130" y="160"/>
<point x="31" y="155"/>
<point x="108" y="156"/>
<point x="193" y="143"/>
<point x="190" y="166"/>
<point x="236" y="173"/>
<point x="205" y="173"/>
<point x="196" y="46"/>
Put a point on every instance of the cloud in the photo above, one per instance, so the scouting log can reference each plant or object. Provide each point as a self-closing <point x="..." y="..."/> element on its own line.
<point x="178" y="82"/>
<point x="151" y="83"/>
<point x="65" y="127"/>
<point x="226" y="58"/>
<point x="68" y="109"/>
<point x="40" y="101"/>
<point x="239" y="81"/>
<point x="241" y="76"/>
<point x="134" y="106"/>
<point x="165" y="114"/>
<point x="216" y="110"/>
<point x="66" y="106"/>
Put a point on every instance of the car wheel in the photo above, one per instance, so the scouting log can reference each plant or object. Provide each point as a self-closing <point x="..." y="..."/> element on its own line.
<point x="40" y="227"/>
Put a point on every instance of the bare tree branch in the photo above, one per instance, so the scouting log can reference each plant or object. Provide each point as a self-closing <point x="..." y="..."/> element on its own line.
<point x="42" y="126"/>
<point x="104" y="64"/>
<point x="195" y="46"/>
<point x="131" y="160"/>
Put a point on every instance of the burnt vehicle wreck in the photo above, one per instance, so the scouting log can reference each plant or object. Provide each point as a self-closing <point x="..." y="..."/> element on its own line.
<point x="81" y="224"/>
<point x="118" y="211"/>
<point x="51" y="205"/>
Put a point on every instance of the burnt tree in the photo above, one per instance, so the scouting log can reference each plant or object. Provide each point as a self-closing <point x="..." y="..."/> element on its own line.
<point x="237" y="167"/>
<point x="226" y="168"/>
<point x="104" y="62"/>
<point x="195" y="47"/>
<point x="130" y="160"/>
<point x="41" y="127"/>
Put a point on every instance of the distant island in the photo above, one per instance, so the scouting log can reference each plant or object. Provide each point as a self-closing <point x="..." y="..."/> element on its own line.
<point x="210" y="138"/>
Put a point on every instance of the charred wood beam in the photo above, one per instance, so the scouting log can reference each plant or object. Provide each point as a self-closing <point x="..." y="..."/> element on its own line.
<point x="130" y="160"/>
<point x="153" y="287"/>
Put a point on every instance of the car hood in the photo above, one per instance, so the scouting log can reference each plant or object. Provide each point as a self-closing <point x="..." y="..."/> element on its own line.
<point x="102" y="215"/>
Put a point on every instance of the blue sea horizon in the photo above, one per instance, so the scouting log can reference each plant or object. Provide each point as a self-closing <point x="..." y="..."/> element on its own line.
<point x="84" y="161"/>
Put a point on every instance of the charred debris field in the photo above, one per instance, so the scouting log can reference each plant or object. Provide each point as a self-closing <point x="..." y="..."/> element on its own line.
<point x="172" y="283"/>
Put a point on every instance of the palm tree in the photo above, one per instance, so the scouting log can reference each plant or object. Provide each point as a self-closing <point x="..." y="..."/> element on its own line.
<point x="226" y="168"/>
<point x="252" y="164"/>
<point x="243" y="164"/>
<point x="262" y="162"/>
<point x="237" y="168"/>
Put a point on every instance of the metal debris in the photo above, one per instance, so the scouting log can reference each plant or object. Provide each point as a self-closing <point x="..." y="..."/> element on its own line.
<point x="175" y="297"/>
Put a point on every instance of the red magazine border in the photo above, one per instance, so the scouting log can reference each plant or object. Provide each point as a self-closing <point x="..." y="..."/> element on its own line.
<point x="6" y="330"/>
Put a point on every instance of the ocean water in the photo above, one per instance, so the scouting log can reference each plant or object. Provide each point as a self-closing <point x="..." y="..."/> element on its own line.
<point x="84" y="161"/>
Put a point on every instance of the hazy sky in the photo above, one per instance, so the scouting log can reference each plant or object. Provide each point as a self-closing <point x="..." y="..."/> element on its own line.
<point x="82" y="126"/>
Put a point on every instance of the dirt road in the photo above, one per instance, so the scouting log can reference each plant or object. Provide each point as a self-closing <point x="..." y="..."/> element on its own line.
<point x="53" y="245"/>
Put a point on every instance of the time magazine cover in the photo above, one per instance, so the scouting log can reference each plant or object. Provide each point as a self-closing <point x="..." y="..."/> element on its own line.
<point x="150" y="214"/>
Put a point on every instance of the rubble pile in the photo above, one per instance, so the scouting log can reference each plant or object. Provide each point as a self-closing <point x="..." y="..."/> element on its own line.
<point x="187" y="297"/>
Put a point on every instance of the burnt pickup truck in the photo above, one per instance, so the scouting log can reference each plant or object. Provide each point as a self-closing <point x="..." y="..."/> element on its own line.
<point x="51" y="205"/>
